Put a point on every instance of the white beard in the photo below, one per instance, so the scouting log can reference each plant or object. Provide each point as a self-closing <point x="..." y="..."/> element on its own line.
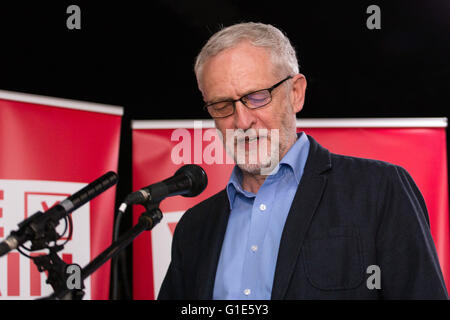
<point x="262" y="156"/>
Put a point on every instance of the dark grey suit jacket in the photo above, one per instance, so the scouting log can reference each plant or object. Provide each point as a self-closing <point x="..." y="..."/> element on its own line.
<point x="348" y="214"/>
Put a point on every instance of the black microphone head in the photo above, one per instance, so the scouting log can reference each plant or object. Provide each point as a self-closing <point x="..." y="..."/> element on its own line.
<point x="198" y="177"/>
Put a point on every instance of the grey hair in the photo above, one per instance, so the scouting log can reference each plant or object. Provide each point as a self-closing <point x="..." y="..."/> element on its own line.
<point x="282" y="53"/>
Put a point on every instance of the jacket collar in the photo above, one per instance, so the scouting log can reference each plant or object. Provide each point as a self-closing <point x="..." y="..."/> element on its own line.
<point x="304" y="205"/>
<point x="319" y="158"/>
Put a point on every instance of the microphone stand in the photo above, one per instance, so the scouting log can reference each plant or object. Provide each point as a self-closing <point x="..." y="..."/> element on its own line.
<point x="146" y="222"/>
<point x="57" y="275"/>
<point x="42" y="228"/>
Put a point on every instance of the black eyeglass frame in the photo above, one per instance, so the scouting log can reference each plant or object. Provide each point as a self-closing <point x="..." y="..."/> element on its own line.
<point x="206" y="106"/>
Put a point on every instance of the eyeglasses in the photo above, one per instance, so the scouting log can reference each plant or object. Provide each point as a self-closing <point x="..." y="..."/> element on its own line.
<point x="253" y="100"/>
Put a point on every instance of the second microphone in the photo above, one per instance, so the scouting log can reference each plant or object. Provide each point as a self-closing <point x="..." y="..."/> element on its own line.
<point x="188" y="181"/>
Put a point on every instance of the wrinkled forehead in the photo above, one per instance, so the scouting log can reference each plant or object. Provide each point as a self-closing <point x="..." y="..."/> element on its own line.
<point x="237" y="70"/>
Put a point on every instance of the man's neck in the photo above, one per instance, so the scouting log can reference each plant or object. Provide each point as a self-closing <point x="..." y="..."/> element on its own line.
<point x="252" y="182"/>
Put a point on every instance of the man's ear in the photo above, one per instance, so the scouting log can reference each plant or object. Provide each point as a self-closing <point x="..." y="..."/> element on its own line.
<point x="298" y="92"/>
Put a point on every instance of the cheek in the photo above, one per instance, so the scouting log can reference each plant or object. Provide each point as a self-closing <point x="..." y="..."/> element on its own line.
<point x="222" y="125"/>
<point x="277" y="110"/>
<point x="271" y="118"/>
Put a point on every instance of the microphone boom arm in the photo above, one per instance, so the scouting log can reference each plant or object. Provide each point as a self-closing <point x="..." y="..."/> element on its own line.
<point x="146" y="222"/>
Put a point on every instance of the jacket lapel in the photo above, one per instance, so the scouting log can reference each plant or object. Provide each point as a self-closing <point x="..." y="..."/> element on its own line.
<point x="218" y="221"/>
<point x="304" y="205"/>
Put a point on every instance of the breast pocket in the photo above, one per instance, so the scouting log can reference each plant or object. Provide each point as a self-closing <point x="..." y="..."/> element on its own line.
<point x="333" y="259"/>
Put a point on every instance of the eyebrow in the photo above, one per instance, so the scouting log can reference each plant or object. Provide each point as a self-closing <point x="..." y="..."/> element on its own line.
<point x="225" y="99"/>
<point x="220" y="99"/>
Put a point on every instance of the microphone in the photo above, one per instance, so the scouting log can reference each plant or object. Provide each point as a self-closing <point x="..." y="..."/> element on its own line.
<point x="37" y="225"/>
<point x="88" y="193"/>
<point x="188" y="181"/>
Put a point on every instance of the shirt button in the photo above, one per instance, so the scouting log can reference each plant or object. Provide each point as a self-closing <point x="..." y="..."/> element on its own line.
<point x="254" y="248"/>
<point x="262" y="207"/>
<point x="247" y="292"/>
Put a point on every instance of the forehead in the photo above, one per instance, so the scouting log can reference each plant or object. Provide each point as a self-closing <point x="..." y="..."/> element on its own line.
<point x="236" y="71"/>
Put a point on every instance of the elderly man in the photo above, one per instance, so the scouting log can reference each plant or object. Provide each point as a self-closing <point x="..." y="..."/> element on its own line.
<point x="318" y="225"/>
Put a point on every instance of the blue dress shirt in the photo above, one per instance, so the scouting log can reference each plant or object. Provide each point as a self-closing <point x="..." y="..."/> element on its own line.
<point x="249" y="251"/>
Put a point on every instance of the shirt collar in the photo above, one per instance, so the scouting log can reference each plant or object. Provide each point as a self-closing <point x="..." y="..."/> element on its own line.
<point x="296" y="156"/>
<point x="234" y="186"/>
<point x="295" y="159"/>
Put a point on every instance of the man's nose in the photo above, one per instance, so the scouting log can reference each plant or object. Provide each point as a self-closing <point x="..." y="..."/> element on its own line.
<point x="244" y="118"/>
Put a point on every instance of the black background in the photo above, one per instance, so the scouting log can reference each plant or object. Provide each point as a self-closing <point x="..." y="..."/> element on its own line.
<point x="140" y="56"/>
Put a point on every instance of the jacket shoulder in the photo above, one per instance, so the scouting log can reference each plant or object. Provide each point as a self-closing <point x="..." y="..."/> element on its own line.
<point x="372" y="176"/>
<point x="360" y="165"/>
<point x="203" y="210"/>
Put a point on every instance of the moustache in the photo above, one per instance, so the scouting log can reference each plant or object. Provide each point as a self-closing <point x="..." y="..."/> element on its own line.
<point x="242" y="137"/>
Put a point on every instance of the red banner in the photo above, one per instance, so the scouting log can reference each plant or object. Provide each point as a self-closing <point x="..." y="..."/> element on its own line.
<point x="161" y="147"/>
<point x="51" y="148"/>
